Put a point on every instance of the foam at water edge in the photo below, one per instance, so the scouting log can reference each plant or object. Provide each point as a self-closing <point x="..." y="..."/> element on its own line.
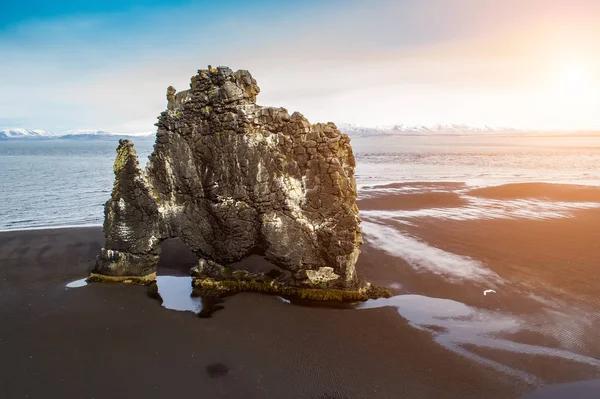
<point x="50" y="227"/>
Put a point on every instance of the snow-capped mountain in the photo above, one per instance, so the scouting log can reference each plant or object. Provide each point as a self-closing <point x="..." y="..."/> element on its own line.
<point x="418" y="130"/>
<point x="86" y="134"/>
<point x="75" y="132"/>
<point x="79" y="134"/>
<point x="22" y="133"/>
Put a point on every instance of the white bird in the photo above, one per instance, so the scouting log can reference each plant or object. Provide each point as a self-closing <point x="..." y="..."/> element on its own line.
<point x="488" y="292"/>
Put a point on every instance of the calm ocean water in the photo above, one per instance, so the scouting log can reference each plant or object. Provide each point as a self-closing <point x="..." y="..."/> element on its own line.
<point x="66" y="182"/>
<point x="58" y="182"/>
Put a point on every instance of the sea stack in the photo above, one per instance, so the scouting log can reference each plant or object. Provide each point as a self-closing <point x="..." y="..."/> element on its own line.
<point x="231" y="179"/>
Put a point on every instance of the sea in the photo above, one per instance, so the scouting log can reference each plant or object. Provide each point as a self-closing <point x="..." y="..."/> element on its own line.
<point x="59" y="183"/>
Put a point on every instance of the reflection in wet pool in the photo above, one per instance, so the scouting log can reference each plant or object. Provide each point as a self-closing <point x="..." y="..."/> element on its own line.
<point x="455" y="325"/>
<point x="77" y="283"/>
<point x="424" y="257"/>
<point x="176" y="293"/>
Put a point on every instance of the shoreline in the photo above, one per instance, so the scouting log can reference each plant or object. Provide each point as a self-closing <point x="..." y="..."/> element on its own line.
<point x="61" y="227"/>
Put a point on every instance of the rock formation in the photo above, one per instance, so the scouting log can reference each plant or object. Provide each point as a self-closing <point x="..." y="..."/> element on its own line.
<point x="232" y="179"/>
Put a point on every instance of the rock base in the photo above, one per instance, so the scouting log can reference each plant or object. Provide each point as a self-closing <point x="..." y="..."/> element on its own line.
<point x="215" y="288"/>
<point x="101" y="278"/>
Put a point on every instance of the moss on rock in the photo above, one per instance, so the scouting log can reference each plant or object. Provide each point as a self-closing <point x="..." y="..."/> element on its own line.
<point x="214" y="288"/>
<point x="101" y="278"/>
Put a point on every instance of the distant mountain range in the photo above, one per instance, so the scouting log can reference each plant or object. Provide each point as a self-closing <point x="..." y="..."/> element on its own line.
<point x="78" y="134"/>
<point x="421" y="130"/>
<point x="351" y="130"/>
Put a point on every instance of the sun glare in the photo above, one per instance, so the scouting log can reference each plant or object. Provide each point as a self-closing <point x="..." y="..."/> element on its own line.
<point x="574" y="79"/>
<point x="570" y="99"/>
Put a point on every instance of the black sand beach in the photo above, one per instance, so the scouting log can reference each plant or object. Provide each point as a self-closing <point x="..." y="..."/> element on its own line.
<point x="114" y="341"/>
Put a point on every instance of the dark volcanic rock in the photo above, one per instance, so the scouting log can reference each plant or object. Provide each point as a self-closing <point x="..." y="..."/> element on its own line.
<point x="233" y="179"/>
<point x="131" y="217"/>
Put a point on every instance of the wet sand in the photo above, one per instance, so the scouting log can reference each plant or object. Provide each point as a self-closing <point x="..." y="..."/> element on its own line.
<point x="557" y="192"/>
<point x="113" y="341"/>
<point x="440" y="337"/>
<point x="557" y="256"/>
<point x="537" y="248"/>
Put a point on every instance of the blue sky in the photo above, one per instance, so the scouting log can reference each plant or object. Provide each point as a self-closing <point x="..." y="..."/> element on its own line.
<point x="106" y="64"/>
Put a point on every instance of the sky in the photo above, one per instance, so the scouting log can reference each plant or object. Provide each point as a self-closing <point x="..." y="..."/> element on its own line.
<point x="106" y="64"/>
